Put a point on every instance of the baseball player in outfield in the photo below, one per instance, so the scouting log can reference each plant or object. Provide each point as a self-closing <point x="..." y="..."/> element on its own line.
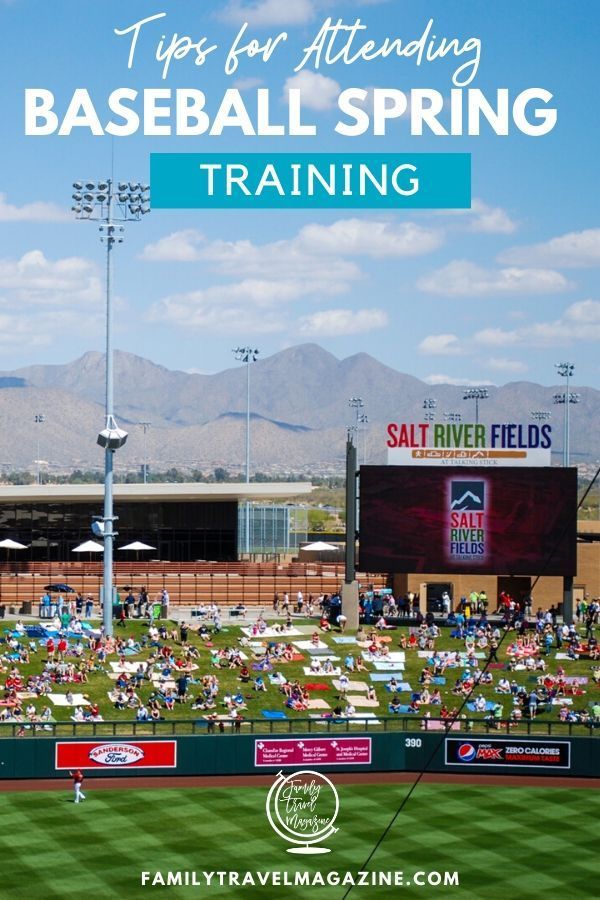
<point x="77" y="777"/>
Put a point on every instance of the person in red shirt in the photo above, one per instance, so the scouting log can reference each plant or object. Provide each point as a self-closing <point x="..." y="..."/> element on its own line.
<point x="50" y="648"/>
<point x="77" y="777"/>
<point x="62" y="648"/>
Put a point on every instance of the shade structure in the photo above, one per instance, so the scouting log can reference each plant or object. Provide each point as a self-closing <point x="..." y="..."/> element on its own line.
<point x="9" y="544"/>
<point x="88" y="547"/>
<point x="137" y="545"/>
<point x="59" y="588"/>
<point x="319" y="545"/>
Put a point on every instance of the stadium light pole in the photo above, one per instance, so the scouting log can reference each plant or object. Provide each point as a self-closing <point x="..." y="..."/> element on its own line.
<point x="112" y="204"/>
<point x="565" y="370"/>
<point x="476" y="394"/>
<point x="429" y="405"/>
<point x="145" y="426"/>
<point x="567" y="399"/>
<point x="247" y="355"/>
<point x="39" y="419"/>
<point x="356" y="403"/>
<point x="363" y="420"/>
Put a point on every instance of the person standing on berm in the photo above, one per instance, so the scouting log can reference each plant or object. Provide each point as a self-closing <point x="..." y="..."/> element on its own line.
<point x="77" y="777"/>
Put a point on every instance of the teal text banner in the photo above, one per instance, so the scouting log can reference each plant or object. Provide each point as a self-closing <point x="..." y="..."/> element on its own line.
<point x="310" y="180"/>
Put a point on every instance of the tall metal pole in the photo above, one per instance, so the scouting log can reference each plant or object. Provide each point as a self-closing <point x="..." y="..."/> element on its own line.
<point x="96" y="201"/>
<point x="247" y="355"/>
<point x="350" y="586"/>
<point x="107" y="575"/>
<point x="145" y="426"/>
<point x="565" y="370"/>
<point x="248" y="453"/>
<point x="39" y="419"/>
<point x="567" y="420"/>
<point x="351" y="462"/>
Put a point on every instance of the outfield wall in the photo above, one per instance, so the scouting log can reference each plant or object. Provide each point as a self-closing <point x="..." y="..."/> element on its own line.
<point x="239" y="754"/>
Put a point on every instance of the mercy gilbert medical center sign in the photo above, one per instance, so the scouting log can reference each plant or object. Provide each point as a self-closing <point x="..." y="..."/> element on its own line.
<point x="468" y="444"/>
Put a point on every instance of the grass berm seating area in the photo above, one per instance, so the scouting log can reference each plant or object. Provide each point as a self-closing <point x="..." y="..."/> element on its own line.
<point x="280" y="677"/>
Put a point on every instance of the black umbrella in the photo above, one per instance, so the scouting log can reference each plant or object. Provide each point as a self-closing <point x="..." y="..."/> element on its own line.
<point x="59" y="589"/>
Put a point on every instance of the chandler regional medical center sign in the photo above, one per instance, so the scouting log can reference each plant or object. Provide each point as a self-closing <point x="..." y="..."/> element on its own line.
<point x="468" y="444"/>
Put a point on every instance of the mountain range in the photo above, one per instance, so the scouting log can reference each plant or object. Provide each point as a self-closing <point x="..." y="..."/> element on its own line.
<point x="299" y="412"/>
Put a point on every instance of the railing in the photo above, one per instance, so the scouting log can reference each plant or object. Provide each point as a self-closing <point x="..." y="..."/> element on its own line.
<point x="202" y="726"/>
<point x="188" y="583"/>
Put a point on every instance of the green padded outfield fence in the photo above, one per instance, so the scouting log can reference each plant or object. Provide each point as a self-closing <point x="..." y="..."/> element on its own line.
<point x="245" y="754"/>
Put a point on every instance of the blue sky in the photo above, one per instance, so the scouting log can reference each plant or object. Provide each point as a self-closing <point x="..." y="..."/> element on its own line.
<point x="496" y="294"/>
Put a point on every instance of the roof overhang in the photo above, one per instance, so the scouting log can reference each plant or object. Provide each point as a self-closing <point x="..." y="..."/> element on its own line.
<point x="148" y="493"/>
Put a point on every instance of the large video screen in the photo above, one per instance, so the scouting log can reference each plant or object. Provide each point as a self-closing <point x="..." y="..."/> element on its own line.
<point x="504" y="521"/>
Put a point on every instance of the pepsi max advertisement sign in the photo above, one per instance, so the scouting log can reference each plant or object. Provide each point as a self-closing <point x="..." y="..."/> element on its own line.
<point x="513" y="753"/>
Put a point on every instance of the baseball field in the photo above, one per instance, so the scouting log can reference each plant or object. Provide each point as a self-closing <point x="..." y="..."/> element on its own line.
<point x="521" y="842"/>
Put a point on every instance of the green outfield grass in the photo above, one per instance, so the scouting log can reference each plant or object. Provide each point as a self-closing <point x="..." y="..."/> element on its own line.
<point x="520" y="843"/>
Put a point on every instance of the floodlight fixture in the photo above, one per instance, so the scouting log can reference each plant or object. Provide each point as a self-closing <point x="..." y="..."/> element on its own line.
<point x="476" y="394"/>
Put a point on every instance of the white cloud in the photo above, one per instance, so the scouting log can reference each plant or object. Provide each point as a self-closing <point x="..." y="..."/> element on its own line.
<point x="249" y="305"/>
<point x="482" y="218"/>
<point x="502" y="364"/>
<point x="573" y="250"/>
<point x="337" y="322"/>
<point x="440" y="345"/>
<point x="32" y="212"/>
<point x="280" y="260"/>
<point x="464" y="278"/>
<point x="324" y="258"/>
<point x="490" y="219"/>
<point x="318" y="92"/>
<point x="364" y="237"/>
<point x="179" y="246"/>
<point x="255" y="304"/>
<point x="457" y="382"/>
<point x="317" y="251"/>
<point x="264" y="13"/>
<point x="580" y="322"/>
<point x="247" y="84"/>
<point x="34" y="280"/>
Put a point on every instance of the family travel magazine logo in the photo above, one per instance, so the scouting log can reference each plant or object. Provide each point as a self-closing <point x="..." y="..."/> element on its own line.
<point x="302" y="808"/>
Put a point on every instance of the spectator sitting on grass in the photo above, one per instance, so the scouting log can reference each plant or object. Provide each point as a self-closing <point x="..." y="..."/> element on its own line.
<point x="259" y="684"/>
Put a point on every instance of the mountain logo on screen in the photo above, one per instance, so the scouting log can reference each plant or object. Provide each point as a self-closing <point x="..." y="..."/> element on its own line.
<point x="467" y="495"/>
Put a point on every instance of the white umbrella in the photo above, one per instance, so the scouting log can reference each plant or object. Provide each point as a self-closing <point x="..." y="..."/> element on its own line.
<point x="88" y="547"/>
<point x="319" y="545"/>
<point x="137" y="545"/>
<point x="13" y="545"/>
<point x="9" y="544"/>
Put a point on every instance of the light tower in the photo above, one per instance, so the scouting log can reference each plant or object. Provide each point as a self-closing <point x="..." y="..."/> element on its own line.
<point x="476" y="394"/>
<point x="247" y="355"/>
<point x="112" y="205"/>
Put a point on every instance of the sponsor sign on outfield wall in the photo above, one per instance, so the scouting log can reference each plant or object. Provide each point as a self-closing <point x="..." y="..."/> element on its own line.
<point x="318" y="751"/>
<point x="116" y="755"/>
<point x="518" y="753"/>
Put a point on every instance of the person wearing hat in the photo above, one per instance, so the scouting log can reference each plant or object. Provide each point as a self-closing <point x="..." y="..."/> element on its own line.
<point x="77" y="777"/>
